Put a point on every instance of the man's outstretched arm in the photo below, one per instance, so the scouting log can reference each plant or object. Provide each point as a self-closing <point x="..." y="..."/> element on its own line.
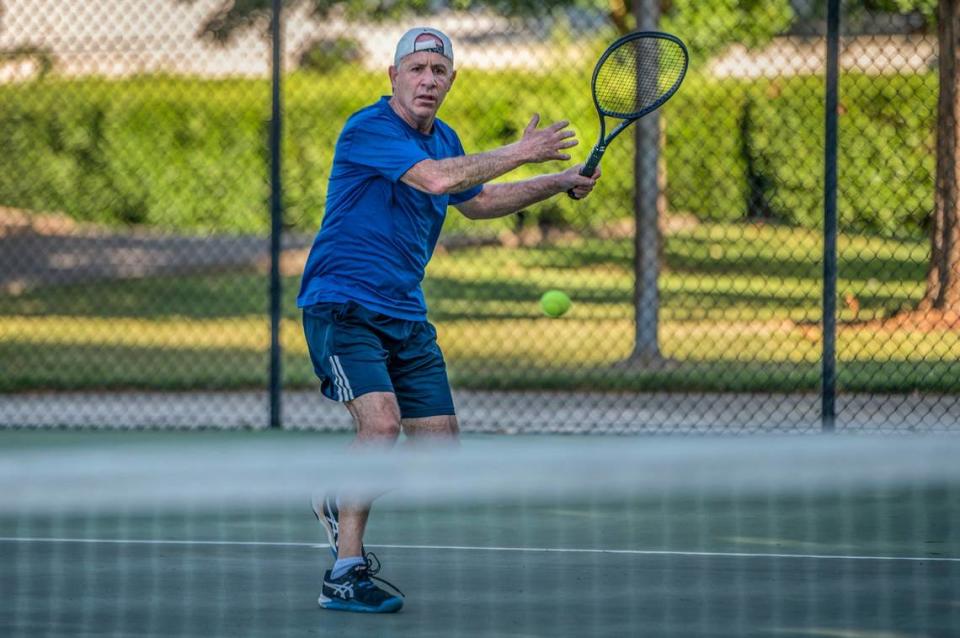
<point x="497" y="200"/>
<point x="457" y="174"/>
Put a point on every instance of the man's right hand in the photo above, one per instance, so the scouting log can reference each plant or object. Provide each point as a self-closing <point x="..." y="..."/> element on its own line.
<point x="545" y="144"/>
<point x="576" y="184"/>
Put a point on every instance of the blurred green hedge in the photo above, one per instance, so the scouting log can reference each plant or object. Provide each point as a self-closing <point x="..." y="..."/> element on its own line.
<point x="191" y="154"/>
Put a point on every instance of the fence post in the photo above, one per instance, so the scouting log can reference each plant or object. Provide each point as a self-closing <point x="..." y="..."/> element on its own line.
<point x="829" y="373"/>
<point x="276" y="219"/>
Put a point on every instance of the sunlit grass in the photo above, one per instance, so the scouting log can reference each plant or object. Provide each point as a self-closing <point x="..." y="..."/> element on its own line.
<point x="740" y="310"/>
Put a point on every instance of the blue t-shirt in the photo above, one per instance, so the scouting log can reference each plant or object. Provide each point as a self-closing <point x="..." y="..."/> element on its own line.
<point x="378" y="233"/>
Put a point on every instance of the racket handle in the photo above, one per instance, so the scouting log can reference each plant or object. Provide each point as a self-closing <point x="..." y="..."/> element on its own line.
<point x="590" y="166"/>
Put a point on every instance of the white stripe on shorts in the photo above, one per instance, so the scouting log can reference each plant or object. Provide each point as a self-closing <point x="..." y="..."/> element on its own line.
<point x="344" y="391"/>
<point x="337" y="382"/>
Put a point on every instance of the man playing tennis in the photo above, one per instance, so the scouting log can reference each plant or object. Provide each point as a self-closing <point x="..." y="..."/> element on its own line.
<point x="396" y="168"/>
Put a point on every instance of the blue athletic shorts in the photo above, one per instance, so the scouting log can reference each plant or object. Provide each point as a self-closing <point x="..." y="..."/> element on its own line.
<point x="355" y="351"/>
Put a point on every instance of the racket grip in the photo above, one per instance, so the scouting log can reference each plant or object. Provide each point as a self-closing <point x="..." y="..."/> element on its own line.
<point x="590" y="166"/>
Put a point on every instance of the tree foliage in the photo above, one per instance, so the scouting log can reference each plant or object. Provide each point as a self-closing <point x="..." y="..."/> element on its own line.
<point x="705" y="26"/>
<point x="926" y="8"/>
<point x="708" y="26"/>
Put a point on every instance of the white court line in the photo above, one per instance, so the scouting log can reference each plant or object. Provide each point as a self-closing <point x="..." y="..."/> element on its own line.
<point x="555" y="550"/>
<point x="134" y="541"/>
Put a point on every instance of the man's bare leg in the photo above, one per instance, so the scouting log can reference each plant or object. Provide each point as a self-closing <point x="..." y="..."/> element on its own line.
<point x="377" y="418"/>
<point x="432" y="429"/>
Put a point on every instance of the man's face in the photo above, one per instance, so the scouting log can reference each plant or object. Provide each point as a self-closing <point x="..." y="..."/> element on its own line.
<point x="420" y="83"/>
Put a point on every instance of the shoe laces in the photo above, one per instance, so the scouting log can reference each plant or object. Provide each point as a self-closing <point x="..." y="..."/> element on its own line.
<point x="369" y="570"/>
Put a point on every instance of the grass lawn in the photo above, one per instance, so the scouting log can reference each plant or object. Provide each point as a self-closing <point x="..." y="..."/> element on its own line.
<point x="739" y="311"/>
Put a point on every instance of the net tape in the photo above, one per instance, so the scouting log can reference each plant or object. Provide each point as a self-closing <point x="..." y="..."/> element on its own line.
<point x="254" y="470"/>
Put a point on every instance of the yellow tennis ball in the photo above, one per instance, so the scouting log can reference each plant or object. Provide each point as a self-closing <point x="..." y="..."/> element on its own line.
<point x="554" y="303"/>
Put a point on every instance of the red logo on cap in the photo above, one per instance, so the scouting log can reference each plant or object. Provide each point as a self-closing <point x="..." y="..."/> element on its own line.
<point x="428" y="42"/>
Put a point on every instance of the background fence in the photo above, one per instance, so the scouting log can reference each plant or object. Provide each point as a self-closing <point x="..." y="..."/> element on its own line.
<point x="134" y="217"/>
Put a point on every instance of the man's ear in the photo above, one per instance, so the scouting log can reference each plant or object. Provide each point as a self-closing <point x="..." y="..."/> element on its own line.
<point x="453" y="76"/>
<point x="392" y="72"/>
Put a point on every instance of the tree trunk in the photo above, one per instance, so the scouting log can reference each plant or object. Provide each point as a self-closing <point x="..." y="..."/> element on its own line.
<point x="647" y="209"/>
<point x="619" y="14"/>
<point x="943" y="274"/>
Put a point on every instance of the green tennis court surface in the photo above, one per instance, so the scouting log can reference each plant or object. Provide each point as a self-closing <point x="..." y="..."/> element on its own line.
<point x="673" y="557"/>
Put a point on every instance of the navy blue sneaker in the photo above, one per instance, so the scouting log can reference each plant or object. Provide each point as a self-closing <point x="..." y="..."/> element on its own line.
<point x="356" y="591"/>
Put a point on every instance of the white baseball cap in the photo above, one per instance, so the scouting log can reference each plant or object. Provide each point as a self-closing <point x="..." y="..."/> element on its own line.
<point x="423" y="39"/>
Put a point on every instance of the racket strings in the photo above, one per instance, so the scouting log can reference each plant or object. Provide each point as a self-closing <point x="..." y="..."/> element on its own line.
<point x="636" y="75"/>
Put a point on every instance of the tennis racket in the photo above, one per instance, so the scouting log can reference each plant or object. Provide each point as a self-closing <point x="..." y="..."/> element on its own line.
<point x="633" y="77"/>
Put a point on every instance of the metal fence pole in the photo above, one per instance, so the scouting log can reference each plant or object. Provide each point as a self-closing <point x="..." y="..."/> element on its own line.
<point x="276" y="219"/>
<point x="829" y="375"/>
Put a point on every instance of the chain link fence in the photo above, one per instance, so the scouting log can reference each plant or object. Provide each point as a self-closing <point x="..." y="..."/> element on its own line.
<point x="134" y="217"/>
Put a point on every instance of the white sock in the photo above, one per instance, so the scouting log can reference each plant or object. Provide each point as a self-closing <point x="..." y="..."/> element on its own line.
<point x="343" y="565"/>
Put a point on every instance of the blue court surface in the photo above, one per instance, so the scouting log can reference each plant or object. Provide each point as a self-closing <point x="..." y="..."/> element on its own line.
<point x="675" y="558"/>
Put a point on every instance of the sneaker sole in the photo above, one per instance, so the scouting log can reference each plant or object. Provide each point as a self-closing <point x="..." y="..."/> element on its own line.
<point x="389" y="606"/>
